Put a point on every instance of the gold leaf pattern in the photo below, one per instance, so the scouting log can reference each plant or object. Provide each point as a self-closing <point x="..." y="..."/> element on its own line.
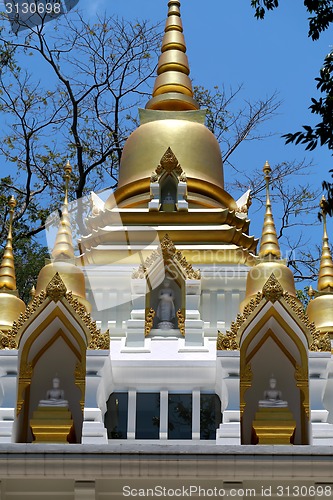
<point x="272" y="290"/>
<point x="181" y="322"/>
<point x="168" y="164"/>
<point x="56" y="289"/>
<point x="168" y="252"/>
<point x="149" y="321"/>
<point x="226" y="342"/>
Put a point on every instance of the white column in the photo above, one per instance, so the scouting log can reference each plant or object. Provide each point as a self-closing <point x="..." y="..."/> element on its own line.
<point x="196" y="414"/>
<point x="235" y="301"/>
<point x="131" y="418"/>
<point x="220" y="307"/>
<point x="228" y="310"/>
<point x="164" y="395"/>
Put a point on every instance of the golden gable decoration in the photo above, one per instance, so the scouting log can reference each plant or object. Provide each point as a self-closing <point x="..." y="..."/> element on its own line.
<point x="168" y="164"/>
<point x="226" y="341"/>
<point x="99" y="341"/>
<point x="56" y="289"/>
<point x="170" y="252"/>
<point x="272" y="291"/>
<point x="321" y="342"/>
<point x="167" y="252"/>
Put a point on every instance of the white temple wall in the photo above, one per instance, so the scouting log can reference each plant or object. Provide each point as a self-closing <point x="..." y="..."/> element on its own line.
<point x="8" y="391"/>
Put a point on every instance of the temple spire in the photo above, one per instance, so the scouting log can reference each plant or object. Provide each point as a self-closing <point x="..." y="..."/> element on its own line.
<point x="173" y="87"/>
<point x="325" y="280"/>
<point x="269" y="245"/>
<point x="7" y="267"/>
<point x="63" y="247"/>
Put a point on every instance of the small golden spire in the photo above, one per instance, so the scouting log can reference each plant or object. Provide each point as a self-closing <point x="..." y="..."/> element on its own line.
<point x="173" y="87"/>
<point x="7" y="267"/>
<point x="269" y="245"/>
<point x="63" y="247"/>
<point x="311" y="292"/>
<point x="325" y="280"/>
<point x="32" y="293"/>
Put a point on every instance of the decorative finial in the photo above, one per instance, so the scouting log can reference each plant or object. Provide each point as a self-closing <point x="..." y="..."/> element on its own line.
<point x="67" y="178"/>
<point x="63" y="247"/>
<point x="173" y="87"/>
<point x="7" y="267"/>
<point x="311" y="292"/>
<point x="325" y="279"/>
<point x="269" y="245"/>
<point x="32" y="293"/>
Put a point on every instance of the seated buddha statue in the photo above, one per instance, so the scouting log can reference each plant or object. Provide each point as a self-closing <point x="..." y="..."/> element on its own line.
<point x="272" y="396"/>
<point x="54" y="396"/>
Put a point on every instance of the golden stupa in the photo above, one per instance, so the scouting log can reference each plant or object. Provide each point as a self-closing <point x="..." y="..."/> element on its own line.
<point x="320" y="309"/>
<point x="269" y="257"/>
<point x="172" y="119"/>
<point x="11" y="306"/>
<point x="172" y="126"/>
<point x="63" y="258"/>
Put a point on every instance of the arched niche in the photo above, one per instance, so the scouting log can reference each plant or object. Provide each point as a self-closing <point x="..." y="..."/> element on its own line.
<point x="168" y="192"/>
<point x="272" y="345"/>
<point x="178" y="288"/>
<point x="53" y="344"/>
<point x="166" y="269"/>
<point x="147" y="281"/>
<point x="168" y="185"/>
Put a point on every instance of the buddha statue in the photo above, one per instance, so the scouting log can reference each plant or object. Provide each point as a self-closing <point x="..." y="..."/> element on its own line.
<point x="54" y="396"/>
<point x="166" y="307"/>
<point x="272" y="396"/>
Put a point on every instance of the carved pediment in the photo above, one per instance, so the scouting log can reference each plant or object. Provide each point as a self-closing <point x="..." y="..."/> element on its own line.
<point x="169" y="253"/>
<point x="272" y="290"/>
<point x="56" y="289"/>
<point x="168" y="164"/>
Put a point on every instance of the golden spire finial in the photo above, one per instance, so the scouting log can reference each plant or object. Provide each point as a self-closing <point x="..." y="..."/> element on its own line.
<point x="311" y="292"/>
<point x="63" y="247"/>
<point x="7" y="267"/>
<point x="325" y="280"/>
<point x="269" y="245"/>
<point x="173" y="87"/>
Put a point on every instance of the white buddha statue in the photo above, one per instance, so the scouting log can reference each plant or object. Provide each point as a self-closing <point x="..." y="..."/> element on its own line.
<point x="272" y="396"/>
<point x="54" y="396"/>
<point x="166" y="307"/>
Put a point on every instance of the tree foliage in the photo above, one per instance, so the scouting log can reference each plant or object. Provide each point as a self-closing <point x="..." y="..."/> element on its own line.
<point x="321" y="13"/>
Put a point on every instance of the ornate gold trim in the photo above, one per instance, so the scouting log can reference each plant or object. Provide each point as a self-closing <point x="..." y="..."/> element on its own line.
<point x="80" y="380"/>
<point x="149" y="321"/>
<point x="170" y="252"/>
<point x="181" y="322"/>
<point x="167" y="252"/>
<point x="227" y="341"/>
<point x="245" y="383"/>
<point x="272" y="290"/>
<point x="321" y="342"/>
<point x="168" y="164"/>
<point x="96" y="340"/>
<point x="56" y="289"/>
